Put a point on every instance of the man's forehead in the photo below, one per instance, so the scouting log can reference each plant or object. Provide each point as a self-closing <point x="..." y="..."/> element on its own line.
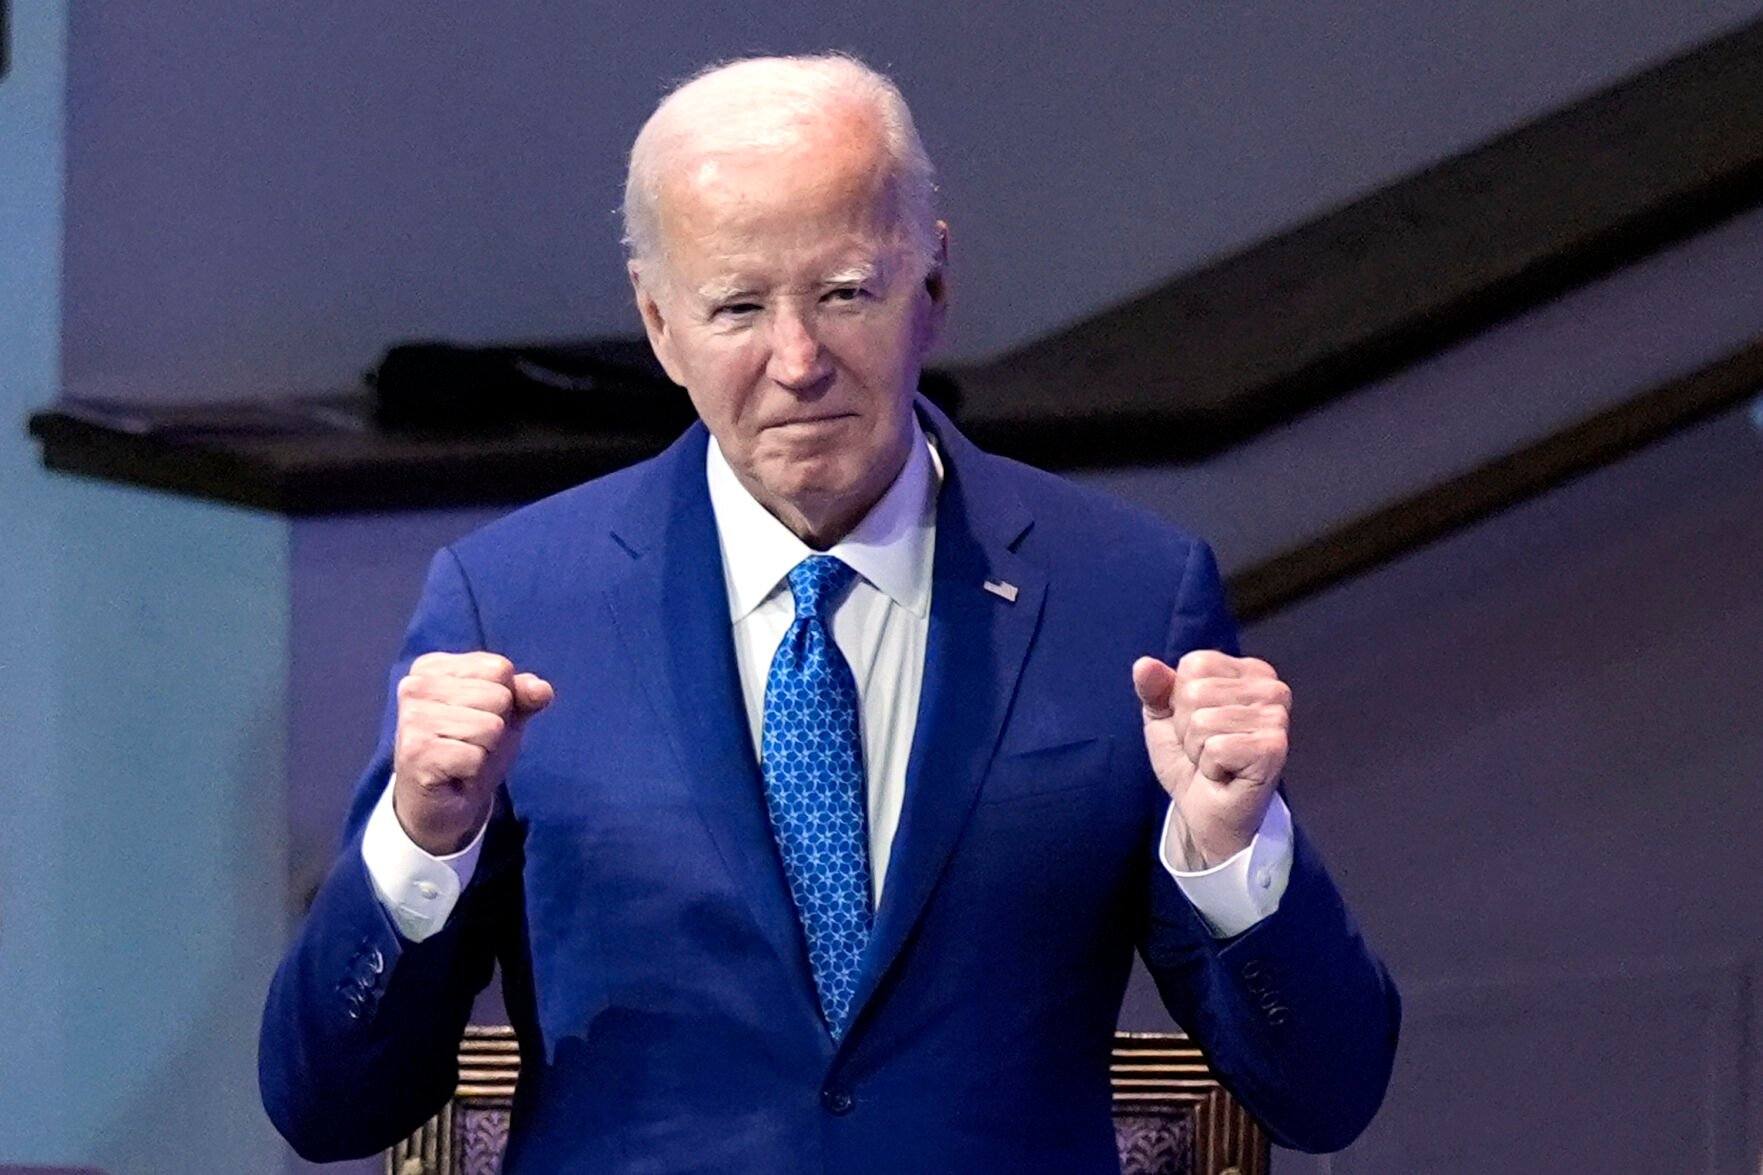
<point x="852" y="174"/>
<point x="833" y="148"/>
<point x="742" y="211"/>
<point x="772" y="127"/>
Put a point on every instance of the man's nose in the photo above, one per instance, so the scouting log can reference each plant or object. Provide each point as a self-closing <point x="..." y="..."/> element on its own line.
<point x="798" y="361"/>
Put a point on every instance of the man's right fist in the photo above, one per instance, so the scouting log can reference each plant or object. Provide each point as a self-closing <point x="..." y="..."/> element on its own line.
<point x="460" y="717"/>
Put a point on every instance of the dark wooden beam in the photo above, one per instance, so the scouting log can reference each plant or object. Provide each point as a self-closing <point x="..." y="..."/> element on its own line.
<point x="1216" y="355"/>
<point x="1425" y="517"/>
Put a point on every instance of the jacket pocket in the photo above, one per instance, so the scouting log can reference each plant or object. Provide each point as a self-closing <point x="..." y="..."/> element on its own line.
<point x="1069" y="766"/>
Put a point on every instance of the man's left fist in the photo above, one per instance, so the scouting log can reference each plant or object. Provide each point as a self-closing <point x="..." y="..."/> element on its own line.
<point x="1215" y="728"/>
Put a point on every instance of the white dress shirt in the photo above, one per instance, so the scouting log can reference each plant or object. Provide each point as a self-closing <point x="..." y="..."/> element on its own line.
<point x="881" y="626"/>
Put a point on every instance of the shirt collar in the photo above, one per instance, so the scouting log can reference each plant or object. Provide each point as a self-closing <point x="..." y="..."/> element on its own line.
<point x="891" y="547"/>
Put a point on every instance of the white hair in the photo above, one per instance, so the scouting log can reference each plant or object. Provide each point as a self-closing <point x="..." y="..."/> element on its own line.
<point x="760" y="102"/>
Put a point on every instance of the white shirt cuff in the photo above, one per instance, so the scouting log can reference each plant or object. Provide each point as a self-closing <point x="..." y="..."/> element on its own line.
<point x="417" y="888"/>
<point x="1240" y="891"/>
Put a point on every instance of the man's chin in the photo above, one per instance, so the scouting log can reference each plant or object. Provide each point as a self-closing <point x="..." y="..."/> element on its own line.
<point x="817" y="489"/>
<point x="810" y="493"/>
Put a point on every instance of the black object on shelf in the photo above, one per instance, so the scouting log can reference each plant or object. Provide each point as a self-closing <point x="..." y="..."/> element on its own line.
<point x="596" y="385"/>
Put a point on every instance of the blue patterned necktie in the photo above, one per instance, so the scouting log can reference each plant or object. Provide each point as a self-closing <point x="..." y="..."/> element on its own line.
<point x="812" y="761"/>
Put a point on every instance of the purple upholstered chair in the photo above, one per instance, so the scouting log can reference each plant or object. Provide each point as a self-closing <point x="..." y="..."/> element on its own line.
<point x="1170" y="1116"/>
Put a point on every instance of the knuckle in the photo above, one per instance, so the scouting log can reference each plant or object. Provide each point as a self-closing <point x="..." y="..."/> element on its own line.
<point x="410" y="747"/>
<point x="1195" y="662"/>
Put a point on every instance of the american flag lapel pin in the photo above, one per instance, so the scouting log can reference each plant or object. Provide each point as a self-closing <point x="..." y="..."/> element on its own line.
<point x="1004" y="591"/>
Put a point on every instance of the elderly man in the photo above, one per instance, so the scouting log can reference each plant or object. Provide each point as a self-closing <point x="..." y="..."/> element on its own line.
<point x="814" y="782"/>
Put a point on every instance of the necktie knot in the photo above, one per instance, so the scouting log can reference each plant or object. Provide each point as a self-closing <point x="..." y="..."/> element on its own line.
<point x="815" y="582"/>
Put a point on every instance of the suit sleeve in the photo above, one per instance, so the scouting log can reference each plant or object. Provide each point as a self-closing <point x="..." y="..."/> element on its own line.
<point x="361" y="1026"/>
<point x="1297" y="1016"/>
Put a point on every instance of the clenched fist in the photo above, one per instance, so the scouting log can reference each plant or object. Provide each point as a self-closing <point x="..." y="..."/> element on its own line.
<point x="1215" y="727"/>
<point x="460" y="718"/>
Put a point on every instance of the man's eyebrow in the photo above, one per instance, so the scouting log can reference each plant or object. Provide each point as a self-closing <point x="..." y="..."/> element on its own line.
<point x="724" y="291"/>
<point x="729" y="289"/>
<point x="854" y="275"/>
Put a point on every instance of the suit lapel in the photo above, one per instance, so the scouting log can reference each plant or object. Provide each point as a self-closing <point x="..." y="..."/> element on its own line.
<point x="977" y="643"/>
<point x="671" y="609"/>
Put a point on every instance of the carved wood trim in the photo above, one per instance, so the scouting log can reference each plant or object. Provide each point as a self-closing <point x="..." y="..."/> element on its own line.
<point x="489" y="1065"/>
<point x="1162" y="1073"/>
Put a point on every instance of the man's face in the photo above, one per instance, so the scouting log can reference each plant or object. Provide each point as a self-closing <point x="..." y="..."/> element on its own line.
<point x="790" y="307"/>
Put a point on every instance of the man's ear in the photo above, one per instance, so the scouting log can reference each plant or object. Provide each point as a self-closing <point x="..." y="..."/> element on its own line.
<point x="936" y="285"/>
<point x="655" y="323"/>
<point x="936" y="281"/>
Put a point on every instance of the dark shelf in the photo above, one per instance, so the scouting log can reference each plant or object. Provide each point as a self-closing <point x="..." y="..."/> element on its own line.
<point x="337" y="470"/>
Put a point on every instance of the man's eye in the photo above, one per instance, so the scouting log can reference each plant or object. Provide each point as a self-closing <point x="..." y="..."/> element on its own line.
<point x="737" y="309"/>
<point x="846" y="294"/>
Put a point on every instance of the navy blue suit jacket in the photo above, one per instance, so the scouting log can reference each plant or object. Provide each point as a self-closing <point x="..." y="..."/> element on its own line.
<point x="631" y="892"/>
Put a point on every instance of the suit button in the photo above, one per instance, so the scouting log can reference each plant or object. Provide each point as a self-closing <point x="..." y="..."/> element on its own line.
<point x="837" y="1101"/>
<point x="1278" y="1016"/>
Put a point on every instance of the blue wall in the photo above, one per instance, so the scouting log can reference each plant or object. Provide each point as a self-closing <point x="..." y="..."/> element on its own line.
<point x="171" y="623"/>
<point x="33" y="1079"/>
<point x="142" y="703"/>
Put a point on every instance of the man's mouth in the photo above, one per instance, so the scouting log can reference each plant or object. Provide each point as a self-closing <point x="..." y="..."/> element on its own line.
<point x="825" y="418"/>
